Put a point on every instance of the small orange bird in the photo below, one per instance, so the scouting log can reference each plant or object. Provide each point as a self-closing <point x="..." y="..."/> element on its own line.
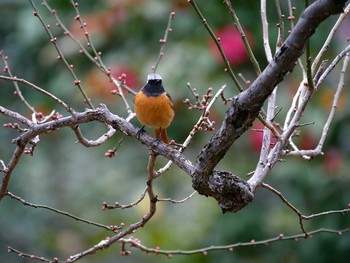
<point x="154" y="107"/>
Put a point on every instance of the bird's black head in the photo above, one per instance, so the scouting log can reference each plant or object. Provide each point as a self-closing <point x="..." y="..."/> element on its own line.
<point x="154" y="86"/>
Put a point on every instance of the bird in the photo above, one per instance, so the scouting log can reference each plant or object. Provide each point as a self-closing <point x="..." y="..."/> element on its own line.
<point x="153" y="107"/>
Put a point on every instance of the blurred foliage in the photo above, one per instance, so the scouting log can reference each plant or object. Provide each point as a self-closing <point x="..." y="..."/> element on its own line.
<point x="67" y="176"/>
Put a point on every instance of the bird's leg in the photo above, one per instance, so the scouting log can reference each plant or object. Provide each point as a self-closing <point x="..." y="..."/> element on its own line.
<point x="140" y="131"/>
<point x="157" y="133"/>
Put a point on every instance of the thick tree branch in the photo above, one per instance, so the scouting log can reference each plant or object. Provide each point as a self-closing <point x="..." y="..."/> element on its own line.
<point x="103" y="115"/>
<point x="230" y="191"/>
<point x="246" y="106"/>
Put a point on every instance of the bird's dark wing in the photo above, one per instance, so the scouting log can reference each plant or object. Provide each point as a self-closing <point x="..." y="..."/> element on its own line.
<point x="169" y="97"/>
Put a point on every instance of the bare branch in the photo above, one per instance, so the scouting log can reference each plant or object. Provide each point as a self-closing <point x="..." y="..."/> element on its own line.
<point x="118" y="205"/>
<point x="30" y="256"/>
<point x="53" y="40"/>
<point x="198" y="124"/>
<point x="291" y="19"/>
<point x="3" y="166"/>
<point x="246" y="106"/>
<point x="217" y="42"/>
<point x="263" y="170"/>
<point x="10" y="167"/>
<point x="271" y="105"/>
<point x="177" y="201"/>
<point x="24" y="202"/>
<point x="96" y="59"/>
<point x="101" y="114"/>
<point x="265" y="27"/>
<point x="152" y="209"/>
<point x="281" y="196"/>
<point x="163" y="41"/>
<point x="329" y="39"/>
<point x="18" y="91"/>
<point x="318" y="150"/>
<point x="250" y="53"/>
<point x="16" y="116"/>
<point x="231" y="192"/>
<point x="332" y="66"/>
<point x="280" y="24"/>
<point x="301" y="215"/>
<point x="36" y="88"/>
<point x="93" y="143"/>
<point x="229" y="248"/>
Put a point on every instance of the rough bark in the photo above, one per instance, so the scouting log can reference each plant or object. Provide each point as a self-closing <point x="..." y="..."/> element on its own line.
<point x="231" y="192"/>
<point x="245" y="108"/>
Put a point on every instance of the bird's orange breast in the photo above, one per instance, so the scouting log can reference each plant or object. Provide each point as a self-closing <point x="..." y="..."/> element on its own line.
<point x="153" y="111"/>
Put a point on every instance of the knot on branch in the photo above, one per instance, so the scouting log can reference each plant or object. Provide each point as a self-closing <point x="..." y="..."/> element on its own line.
<point x="231" y="192"/>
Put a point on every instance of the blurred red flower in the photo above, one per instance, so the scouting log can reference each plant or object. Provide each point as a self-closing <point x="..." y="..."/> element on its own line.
<point x="333" y="161"/>
<point x="232" y="44"/>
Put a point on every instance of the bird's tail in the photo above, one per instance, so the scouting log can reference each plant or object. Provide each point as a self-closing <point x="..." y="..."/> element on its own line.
<point x="161" y="134"/>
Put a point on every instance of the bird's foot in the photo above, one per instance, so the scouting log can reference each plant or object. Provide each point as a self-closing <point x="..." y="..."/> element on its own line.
<point x="140" y="131"/>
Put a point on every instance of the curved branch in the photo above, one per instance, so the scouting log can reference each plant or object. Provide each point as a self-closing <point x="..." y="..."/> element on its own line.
<point x="229" y="190"/>
<point x="246" y="106"/>
<point x="143" y="221"/>
<point x="103" y="115"/>
<point x="93" y="143"/>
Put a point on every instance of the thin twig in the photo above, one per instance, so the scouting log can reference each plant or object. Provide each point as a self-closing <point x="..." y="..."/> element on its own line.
<point x="301" y="215"/>
<point x="10" y="167"/>
<point x="61" y="56"/>
<point x="118" y="205"/>
<point x="227" y="63"/>
<point x="36" y="88"/>
<point x="291" y="19"/>
<point x="152" y="209"/>
<point x="309" y="75"/>
<point x="330" y="37"/>
<point x="271" y="105"/>
<point x="280" y="25"/>
<point x="16" y="116"/>
<point x="274" y="155"/>
<point x="3" y="167"/>
<point x="320" y="70"/>
<point x="18" y="91"/>
<point x="293" y="106"/>
<point x="26" y="203"/>
<point x="163" y="41"/>
<point x="218" y="45"/>
<point x="281" y="196"/>
<point x="169" y="253"/>
<point x="97" y="60"/>
<point x="249" y="50"/>
<point x="177" y="201"/>
<point x="30" y="256"/>
<point x="319" y="147"/>
<point x="304" y="94"/>
<point x="97" y="57"/>
<point x="332" y="65"/>
<point x="265" y="27"/>
<point x="68" y="33"/>
<point x="341" y="85"/>
<point x="93" y="143"/>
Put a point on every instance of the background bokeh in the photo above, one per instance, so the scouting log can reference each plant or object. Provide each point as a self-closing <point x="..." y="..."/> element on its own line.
<point x="65" y="175"/>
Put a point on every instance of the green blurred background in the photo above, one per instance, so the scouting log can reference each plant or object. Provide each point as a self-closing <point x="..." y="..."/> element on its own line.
<point x="65" y="175"/>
